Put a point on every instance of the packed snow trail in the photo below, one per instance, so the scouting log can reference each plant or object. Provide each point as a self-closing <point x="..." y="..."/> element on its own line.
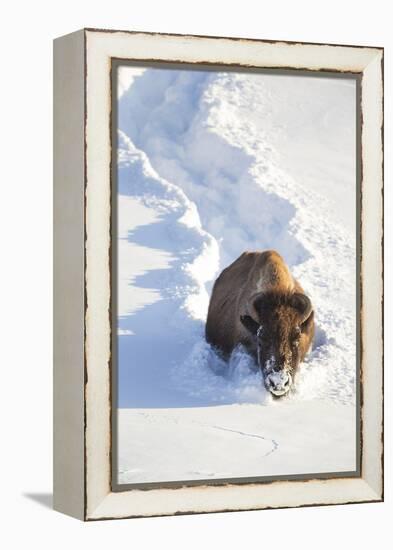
<point x="210" y="165"/>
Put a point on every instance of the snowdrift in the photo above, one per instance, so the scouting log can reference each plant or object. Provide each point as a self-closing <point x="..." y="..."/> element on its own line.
<point x="212" y="164"/>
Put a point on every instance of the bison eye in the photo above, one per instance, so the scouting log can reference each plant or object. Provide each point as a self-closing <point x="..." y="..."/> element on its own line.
<point x="296" y="335"/>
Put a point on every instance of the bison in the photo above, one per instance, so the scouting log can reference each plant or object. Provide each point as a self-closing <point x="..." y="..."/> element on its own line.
<point x="257" y="303"/>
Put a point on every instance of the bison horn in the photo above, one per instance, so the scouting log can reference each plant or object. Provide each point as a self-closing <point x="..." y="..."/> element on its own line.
<point x="302" y="304"/>
<point x="249" y="323"/>
<point x="253" y="302"/>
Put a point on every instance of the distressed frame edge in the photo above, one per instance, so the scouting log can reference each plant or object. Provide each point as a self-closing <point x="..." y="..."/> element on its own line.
<point x="69" y="278"/>
<point x="362" y="493"/>
<point x="372" y="269"/>
<point x="236" y="38"/>
<point x="98" y="512"/>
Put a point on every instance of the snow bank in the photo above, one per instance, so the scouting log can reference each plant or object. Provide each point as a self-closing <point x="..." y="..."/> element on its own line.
<point x="212" y="164"/>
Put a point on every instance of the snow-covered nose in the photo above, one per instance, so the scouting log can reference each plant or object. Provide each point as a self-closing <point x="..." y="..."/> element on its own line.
<point x="278" y="383"/>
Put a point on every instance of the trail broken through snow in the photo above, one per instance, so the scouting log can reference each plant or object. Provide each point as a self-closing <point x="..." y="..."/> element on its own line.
<point x="212" y="164"/>
<point x="201" y="134"/>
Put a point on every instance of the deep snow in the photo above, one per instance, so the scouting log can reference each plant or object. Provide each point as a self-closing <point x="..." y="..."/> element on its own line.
<point x="212" y="164"/>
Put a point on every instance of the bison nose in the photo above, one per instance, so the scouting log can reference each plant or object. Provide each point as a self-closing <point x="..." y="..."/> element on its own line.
<point x="278" y="383"/>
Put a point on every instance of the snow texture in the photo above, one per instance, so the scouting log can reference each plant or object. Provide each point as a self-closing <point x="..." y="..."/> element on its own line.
<point x="212" y="164"/>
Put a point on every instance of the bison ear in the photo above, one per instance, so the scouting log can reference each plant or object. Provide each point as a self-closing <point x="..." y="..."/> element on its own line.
<point x="249" y="323"/>
<point x="302" y="304"/>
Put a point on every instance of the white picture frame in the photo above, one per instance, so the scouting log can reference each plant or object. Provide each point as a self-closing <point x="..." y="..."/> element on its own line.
<point x="82" y="267"/>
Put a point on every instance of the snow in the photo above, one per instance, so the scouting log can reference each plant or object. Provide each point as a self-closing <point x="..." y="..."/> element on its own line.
<point x="212" y="164"/>
<point x="125" y="77"/>
<point x="237" y="441"/>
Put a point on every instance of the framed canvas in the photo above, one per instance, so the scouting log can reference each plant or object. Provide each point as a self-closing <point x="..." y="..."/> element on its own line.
<point x="218" y="263"/>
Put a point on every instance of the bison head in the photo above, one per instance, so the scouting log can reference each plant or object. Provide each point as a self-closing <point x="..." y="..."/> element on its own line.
<point x="282" y="333"/>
